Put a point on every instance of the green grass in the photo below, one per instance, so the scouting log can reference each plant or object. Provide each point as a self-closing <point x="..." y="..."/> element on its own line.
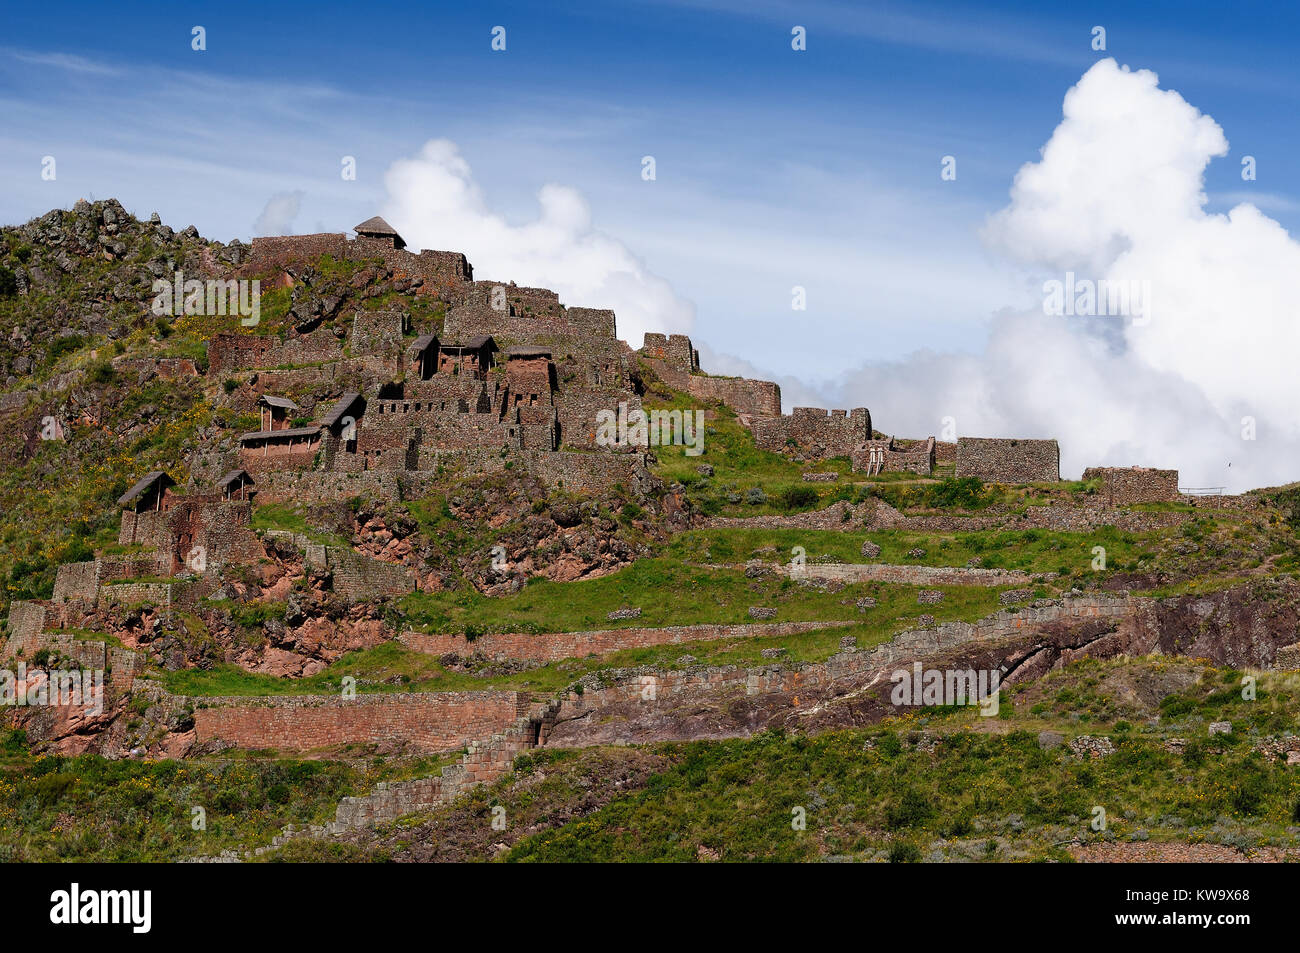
<point x="738" y="798"/>
<point x="394" y="668"/>
<point x="289" y="517"/>
<point x="668" y="591"/>
<point x="1027" y="550"/>
<point x="874" y="794"/>
<point x="88" y="808"/>
<point x="739" y="466"/>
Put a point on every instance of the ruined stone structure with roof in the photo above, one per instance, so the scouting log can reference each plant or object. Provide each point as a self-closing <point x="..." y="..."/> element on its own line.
<point x="510" y="371"/>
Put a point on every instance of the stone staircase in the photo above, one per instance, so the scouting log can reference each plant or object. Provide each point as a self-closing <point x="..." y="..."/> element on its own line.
<point x="484" y="762"/>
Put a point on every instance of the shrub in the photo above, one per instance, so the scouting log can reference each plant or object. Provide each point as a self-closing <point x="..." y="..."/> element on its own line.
<point x="65" y="345"/>
<point x="904" y="852"/>
<point x="798" y="497"/>
<point x="911" y="810"/>
<point x="101" y="372"/>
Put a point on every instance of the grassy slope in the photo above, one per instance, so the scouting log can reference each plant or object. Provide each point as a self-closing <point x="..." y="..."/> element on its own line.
<point x="979" y="793"/>
<point x="88" y="808"/>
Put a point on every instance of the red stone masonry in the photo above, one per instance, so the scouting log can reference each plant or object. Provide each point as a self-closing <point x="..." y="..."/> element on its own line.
<point x="416" y="722"/>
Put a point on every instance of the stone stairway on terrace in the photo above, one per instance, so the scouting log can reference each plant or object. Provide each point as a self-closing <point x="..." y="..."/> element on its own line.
<point x="484" y="762"/>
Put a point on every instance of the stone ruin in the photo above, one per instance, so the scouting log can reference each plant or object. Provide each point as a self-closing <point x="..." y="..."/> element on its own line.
<point x="677" y="363"/>
<point x="815" y="432"/>
<point x="894" y="456"/>
<point x="512" y="378"/>
<point x="997" y="460"/>
<point x="1124" y="485"/>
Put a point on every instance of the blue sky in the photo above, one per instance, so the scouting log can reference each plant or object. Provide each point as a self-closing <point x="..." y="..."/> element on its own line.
<point x="775" y="168"/>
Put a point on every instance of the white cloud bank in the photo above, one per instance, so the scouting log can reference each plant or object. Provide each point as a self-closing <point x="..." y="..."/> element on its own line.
<point x="435" y="203"/>
<point x="278" y="215"/>
<point x="1119" y="194"/>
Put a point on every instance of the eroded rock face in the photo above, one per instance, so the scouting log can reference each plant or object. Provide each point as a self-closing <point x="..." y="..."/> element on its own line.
<point x="561" y="541"/>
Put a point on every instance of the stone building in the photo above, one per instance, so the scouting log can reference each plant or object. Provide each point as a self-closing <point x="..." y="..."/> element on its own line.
<point x="472" y="359"/>
<point x="377" y="229"/>
<point x="999" y="460"/>
<point x="815" y="432"/>
<point x="293" y="448"/>
<point x="893" y="456"/>
<point x="152" y="492"/>
<point x="276" y="412"/>
<point x="439" y="273"/>
<point x="187" y="530"/>
<point x="1123" y="485"/>
<point x="236" y="485"/>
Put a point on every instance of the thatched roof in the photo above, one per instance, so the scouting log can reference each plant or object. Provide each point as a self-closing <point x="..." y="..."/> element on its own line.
<point x="476" y="343"/>
<point x="528" y="350"/>
<point x="234" y="476"/>
<point x="144" y="483"/>
<point x="277" y="434"/>
<point x="284" y="402"/>
<point x="376" y="226"/>
<point x="341" y="407"/>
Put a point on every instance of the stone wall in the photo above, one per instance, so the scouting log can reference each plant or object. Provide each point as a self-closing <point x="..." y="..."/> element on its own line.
<point x="283" y="250"/>
<point x="905" y="575"/>
<point x="649" y="692"/>
<point x="414" y="722"/>
<point x="1288" y="657"/>
<point x="484" y="762"/>
<point x="675" y="350"/>
<point x="270" y="454"/>
<point x="595" y="473"/>
<point x="554" y="646"/>
<point x="576" y="412"/>
<point x="27" y="622"/>
<point x="441" y="273"/>
<point x="477" y="316"/>
<point x="748" y="398"/>
<point x="82" y="581"/>
<point x="219" y="529"/>
<point x="136" y="593"/>
<point x="379" y="332"/>
<point x="356" y="577"/>
<point x="146" y="368"/>
<point x="677" y="364"/>
<point x="362" y="374"/>
<point x="1124" y="485"/>
<point x="286" y="485"/>
<point x="77" y="581"/>
<point x="995" y="460"/>
<point x="230" y="352"/>
<point x="815" y="432"/>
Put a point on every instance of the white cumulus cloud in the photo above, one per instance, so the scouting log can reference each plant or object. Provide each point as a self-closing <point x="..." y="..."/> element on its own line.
<point x="1118" y="194"/>
<point x="435" y="203"/>
<point x="278" y="215"/>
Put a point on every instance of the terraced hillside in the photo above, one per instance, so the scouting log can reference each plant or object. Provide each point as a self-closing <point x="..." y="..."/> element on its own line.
<point x="495" y="662"/>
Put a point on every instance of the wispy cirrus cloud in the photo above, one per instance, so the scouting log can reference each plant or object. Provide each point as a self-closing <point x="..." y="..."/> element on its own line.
<point x="67" y="62"/>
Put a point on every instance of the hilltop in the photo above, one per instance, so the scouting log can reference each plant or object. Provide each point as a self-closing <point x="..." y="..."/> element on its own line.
<point x="365" y="546"/>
